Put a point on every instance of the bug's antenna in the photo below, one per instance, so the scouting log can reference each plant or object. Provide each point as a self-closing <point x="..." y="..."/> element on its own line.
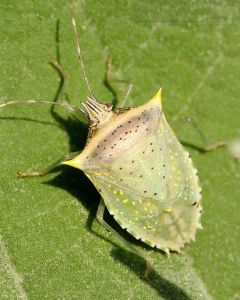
<point x="80" y="58"/>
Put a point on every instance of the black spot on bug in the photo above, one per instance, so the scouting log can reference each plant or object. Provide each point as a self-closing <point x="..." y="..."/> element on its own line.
<point x="132" y="161"/>
<point x="141" y="176"/>
<point x="164" y="165"/>
<point x="194" y="203"/>
<point x="155" y="194"/>
<point x="120" y="168"/>
<point x="144" y="192"/>
<point x="164" y="177"/>
<point x="152" y="168"/>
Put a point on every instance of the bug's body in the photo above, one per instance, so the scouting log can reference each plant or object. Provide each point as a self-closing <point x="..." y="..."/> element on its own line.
<point x="144" y="175"/>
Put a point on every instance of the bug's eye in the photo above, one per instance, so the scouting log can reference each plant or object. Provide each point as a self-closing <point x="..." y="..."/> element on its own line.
<point x="108" y="107"/>
<point x="92" y="122"/>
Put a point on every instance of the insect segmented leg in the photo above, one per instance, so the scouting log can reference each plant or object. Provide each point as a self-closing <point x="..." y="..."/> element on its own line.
<point x="99" y="216"/>
<point x="108" y="79"/>
<point x="63" y="77"/>
<point x="206" y="147"/>
<point x="215" y="146"/>
<point x="49" y="169"/>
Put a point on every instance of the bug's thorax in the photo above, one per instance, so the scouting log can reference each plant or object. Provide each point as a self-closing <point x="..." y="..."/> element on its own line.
<point x="112" y="132"/>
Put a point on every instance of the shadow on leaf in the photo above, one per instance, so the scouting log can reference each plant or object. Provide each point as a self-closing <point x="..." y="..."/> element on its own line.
<point x="166" y="289"/>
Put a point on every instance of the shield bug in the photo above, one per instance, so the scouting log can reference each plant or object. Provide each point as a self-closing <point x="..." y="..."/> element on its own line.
<point x="146" y="179"/>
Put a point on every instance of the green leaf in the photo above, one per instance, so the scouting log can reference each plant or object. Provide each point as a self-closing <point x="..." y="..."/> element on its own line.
<point x="190" y="49"/>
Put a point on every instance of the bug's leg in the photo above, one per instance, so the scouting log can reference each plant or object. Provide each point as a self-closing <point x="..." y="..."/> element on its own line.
<point x="205" y="147"/>
<point x="109" y="79"/>
<point x="63" y="80"/>
<point x="215" y="146"/>
<point x="48" y="169"/>
<point x="100" y="218"/>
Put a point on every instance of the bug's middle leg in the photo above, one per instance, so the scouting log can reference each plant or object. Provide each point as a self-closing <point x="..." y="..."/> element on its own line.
<point x="206" y="147"/>
<point x="132" y="248"/>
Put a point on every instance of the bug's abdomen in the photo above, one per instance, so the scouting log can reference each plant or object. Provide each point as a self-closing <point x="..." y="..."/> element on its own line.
<point x="145" y="219"/>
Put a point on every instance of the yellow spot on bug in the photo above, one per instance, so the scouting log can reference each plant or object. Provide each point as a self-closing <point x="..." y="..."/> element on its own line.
<point x="115" y="192"/>
<point x="168" y="210"/>
<point x="117" y="200"/>
<point x="133" y="203"/>
<point x="125" y="201"/>
<point x="121" y="192"/>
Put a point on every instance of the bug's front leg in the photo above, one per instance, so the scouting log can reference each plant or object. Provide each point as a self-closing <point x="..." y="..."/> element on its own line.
<point x="108" y="83"/>
<point x="48" y="169"/>
<point x="132" y="248"/>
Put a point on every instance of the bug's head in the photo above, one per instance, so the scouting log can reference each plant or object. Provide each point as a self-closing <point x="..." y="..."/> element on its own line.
<point x="97" y="113"/>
